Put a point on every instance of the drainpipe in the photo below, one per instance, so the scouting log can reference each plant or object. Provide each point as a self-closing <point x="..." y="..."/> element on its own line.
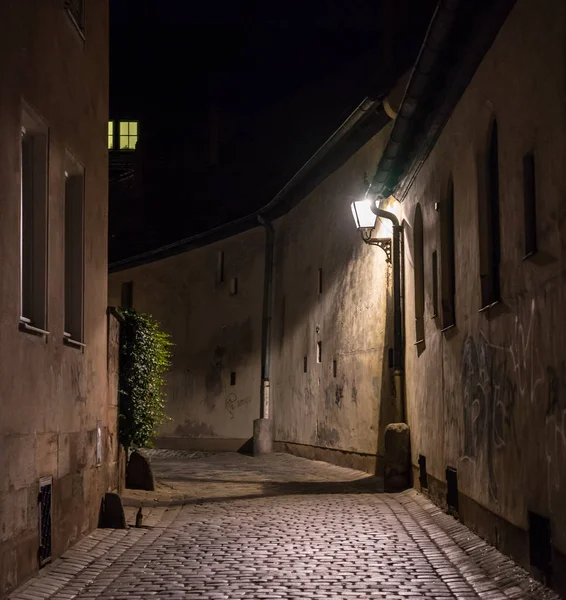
<point x="397" y="310"/>
<point x="263" y="429"/>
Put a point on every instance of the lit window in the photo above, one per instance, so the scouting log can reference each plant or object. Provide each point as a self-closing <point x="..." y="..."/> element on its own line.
<point x="128" y="135"/>
<point x="110" y="135"/>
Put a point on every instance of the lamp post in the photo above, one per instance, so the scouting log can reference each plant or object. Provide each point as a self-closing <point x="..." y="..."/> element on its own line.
<point x="365" y="213"/>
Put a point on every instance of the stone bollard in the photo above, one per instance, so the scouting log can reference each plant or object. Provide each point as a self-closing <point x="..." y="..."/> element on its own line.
<point x="138" y="473"/>
<point x="263" y="436"/>
<point x="397" y="457"/>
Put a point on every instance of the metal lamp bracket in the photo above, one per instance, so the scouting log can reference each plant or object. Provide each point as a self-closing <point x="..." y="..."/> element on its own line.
<point x="383" y="243"/>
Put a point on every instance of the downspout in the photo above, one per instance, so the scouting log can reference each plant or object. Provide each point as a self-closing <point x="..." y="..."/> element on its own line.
<point x="267" y="317"/>
<point x="398" y="351"/>
<point x="263" y="426"/>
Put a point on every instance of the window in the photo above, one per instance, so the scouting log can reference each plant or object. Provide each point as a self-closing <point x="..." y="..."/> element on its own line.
<point x="305" y="364"/>
<point x="33" y="224"/>
<point x="74" y="251"/>
<point x="128" y="135"/>
<point x="530" y="208"/>
<point x="434" y="284"/>
<point x="220" y="267"/>
<point x="319" y="352"/>
<point x="334" y="368"/>
<point x="234" y="286"/>
<point x="320" y="281"/>
<point x="233" y="378"/>
<point x="418" y="247"/>
<point x="447" y="263"/>
<point x="110" y="135"/>
<point x="127" y="294"/>
<point x="76" y="10"/>
<point x="488" y="222"/>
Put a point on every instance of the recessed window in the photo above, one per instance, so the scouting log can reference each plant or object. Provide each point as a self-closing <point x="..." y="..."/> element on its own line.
<point x="319" y="352"/>
<point x="33" y="222"/>
<point x="447" y="261"/>
<point x="234" y="286"/>
<point x="530" y="207"/>
<point x="110" y="135"/>
<point x="305" y="364"/>
<point x="418" y="247"/>
<point x="127" y="294"/>
<point x="334" y="368"/>
<point x="220" y="267"/>
<point x="128" y="135"/>
<point x="320" y="281"/>
<point x="233" y="378"/>
<point x="74" y="251"/>
<point x="434" y="284"/>
<point x="488" y="222"/>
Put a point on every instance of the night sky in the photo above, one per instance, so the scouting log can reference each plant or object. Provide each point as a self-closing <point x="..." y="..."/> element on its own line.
<point x="281" y="74"/>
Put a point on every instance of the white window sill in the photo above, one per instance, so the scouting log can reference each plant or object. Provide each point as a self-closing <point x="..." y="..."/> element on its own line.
<point x="69" y="341"/>
<point x="27" y="327"/>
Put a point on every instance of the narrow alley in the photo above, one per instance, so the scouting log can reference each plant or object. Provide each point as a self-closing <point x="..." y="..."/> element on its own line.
<point x="226" y="525"/>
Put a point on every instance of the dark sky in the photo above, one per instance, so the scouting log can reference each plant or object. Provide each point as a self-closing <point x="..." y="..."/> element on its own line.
<point x="282" y="74"/>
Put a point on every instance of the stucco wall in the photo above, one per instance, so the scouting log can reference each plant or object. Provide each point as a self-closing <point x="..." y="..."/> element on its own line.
<point x="52" y="395"/>
<point x="347" y="412"/>
<point x="214" y="334"/>
<point x="488" y="397"/>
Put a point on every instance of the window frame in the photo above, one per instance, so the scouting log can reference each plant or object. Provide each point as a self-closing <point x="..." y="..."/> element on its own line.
<point x="128" y="135"/>
<point x="33" y="223"/>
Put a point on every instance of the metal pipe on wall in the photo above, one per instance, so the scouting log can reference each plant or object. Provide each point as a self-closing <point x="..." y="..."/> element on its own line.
<point x="267" y="318"/>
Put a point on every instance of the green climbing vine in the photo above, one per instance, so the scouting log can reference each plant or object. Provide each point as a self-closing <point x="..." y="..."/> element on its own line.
<point x="145" y="357"/>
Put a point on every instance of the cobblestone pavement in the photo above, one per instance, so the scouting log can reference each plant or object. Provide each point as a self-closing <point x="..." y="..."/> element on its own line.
<point x="232" y="526"/>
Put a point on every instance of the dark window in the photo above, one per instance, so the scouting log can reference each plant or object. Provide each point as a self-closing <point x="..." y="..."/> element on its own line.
<point x="530" y="208"/>
<point x="320" y="281"/>
<point x="220" y="268"/>
<point x="540" y="544"/>
<point x="434" y="284"/>
<point x="234" y="286"/>
<point x="488" y="223"/>
<point x="334" y="368"/>
<point x="418" y="248"/>
<point x="33" y="225"/>
<point x="304" y="364"/>
<point x="44" y="501"/>
<point x="127" y="294"/>
<point x="74" y="254"/>
<point x="233" y="378"/>
<point x="447" y="260"/>
<point x="452" y="489"/>
<point x="76" y="10"/>
<point x="422" y="472"/>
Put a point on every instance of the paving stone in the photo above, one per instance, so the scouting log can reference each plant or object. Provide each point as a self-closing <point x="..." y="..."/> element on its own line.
<point x="228" y="526"/>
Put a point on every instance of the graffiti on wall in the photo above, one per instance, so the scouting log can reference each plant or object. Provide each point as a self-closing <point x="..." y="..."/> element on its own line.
<point x="494" y="379"/>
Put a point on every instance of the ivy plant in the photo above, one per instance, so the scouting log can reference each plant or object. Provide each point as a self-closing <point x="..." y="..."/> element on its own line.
<point x="145" y="357"/>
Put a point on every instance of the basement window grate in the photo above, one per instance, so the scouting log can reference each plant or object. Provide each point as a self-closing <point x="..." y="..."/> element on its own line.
<point x="44" y="501"/>
<point x="452" y="488"/>
<point x="540" y="545"/>
<point x="422" y="472"/>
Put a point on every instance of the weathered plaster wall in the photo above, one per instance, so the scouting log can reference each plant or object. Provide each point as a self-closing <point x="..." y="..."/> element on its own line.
<point x="346" y="413"/>
<point x="488" y="397"/>
<point x="52" y="395"/>
<point x="214" y="333"/>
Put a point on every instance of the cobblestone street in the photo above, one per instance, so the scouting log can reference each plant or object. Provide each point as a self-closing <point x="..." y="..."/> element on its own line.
<point x="231" y="526"/>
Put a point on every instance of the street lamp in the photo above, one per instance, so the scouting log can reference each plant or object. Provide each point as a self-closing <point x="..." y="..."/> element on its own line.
<point x="365" y="217"/>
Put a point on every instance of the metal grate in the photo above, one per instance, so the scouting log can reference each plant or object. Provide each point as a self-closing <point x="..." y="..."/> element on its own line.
<point x="76" y="8"/>
<point x="44" y="500"/>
